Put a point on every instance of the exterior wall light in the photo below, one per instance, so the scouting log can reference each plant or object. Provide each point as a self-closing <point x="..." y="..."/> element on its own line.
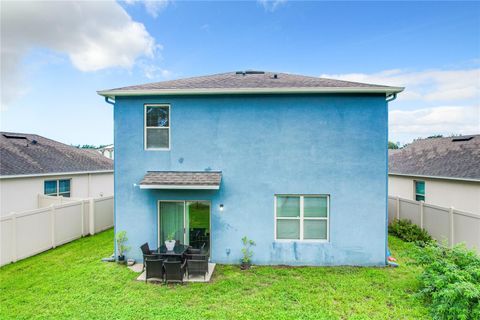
<point x="221" y="207"/>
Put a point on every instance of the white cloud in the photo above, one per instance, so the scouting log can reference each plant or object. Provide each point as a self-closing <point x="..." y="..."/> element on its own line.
<point x="434" y="101"/>
<point x="153" y="71"/>
<point x="94" y="35"/>
<point x="153" y="7"/>
<point x="428" y="85"/>
<point x="443" y="120"/>
<point x="271" y="5"/>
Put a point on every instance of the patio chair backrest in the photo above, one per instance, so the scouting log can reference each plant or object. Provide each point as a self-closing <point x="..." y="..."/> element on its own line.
<point x="154" y="268"/>
<point x="151" y="257"/>
<point x="197" y="266"/>
<point x="193" y="251"/>
<point x="203" y="257"/>
<point x="145" y="248"/>
<point x="174" y="270"/>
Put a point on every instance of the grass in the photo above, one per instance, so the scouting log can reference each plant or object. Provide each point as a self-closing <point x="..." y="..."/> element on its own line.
<point x="71" y="282"/>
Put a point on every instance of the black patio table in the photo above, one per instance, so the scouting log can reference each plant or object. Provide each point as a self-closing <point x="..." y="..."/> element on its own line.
<point x="178" y="251"/>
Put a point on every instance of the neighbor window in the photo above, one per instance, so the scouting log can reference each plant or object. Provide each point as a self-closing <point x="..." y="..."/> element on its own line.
<point x="420" y="190"/>
<point x="301" y="217"/>
<point x="57" y="188"/>
<point x="157" y="127"/>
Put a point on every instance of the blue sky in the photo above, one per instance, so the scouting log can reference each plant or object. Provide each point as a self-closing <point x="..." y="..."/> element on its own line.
<point x="56" y="55"/>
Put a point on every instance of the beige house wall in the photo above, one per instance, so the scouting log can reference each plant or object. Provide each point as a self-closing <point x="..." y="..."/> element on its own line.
<point x="20" y="194"/>
<point x="462" y="195"/>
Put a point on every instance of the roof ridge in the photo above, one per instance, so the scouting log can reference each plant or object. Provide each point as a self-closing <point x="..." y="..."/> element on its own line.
<point x="253" y="82"/>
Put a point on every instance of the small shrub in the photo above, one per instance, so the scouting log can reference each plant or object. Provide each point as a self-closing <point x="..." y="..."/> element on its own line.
<point x="121" y="241"/>
<point x="450" y="282"/>
<point x="407" y="231"/>
<point x="247" y="252"/>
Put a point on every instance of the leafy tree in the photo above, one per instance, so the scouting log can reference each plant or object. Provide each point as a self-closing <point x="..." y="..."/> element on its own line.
<point x="88" y="146"/>
<point x="392" y="145"/>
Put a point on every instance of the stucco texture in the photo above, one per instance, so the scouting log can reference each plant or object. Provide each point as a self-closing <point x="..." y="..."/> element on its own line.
<point x="264" y="145"/>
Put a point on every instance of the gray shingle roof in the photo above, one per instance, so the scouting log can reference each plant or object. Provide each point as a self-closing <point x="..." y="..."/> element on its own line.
<point x="25" y="154"/>
<point x="234" y="81"/>
<point x="182" y="178"/>
<point x="438" y="157"/>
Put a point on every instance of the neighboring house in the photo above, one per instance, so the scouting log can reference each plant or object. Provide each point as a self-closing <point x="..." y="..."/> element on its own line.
<point x="107" y="151"/>
<point x="296" y="163"/>
<point x="439" y="171"/>
<point x="31" y="165"/>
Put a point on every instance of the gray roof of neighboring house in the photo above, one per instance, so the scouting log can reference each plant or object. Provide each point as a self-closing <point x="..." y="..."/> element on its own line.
<point x="453" y="157"/>
<point x="27" y="154"/>
<point x="249" y="82"/>
<point x="182" y="178"/>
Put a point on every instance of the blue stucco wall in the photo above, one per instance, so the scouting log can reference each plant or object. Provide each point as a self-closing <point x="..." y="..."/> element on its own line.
<point x="264" y="145"/>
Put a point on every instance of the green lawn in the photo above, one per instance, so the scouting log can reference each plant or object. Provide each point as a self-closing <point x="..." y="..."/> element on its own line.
<point x="71" y="282"/>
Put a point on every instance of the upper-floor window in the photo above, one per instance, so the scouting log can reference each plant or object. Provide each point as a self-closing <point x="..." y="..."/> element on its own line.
<point x="59" y="187"/>
<point x="419" y="190"/>
<point x="157" y="127"/>
<point x="301" y="217"/>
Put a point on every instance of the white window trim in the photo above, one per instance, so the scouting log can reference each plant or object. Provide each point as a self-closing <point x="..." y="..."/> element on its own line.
<point x="415" y="194"/>
<point x="301" y="218"/>
<point x="58" y="193"/>
<point x="145" y="127"/>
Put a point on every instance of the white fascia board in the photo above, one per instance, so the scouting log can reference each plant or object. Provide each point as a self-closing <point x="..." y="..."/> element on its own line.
<point x="432" y="177"/>
<point x="54" y="174"/>
<point x="150" y="92"/>
<point x="169" y="186"/>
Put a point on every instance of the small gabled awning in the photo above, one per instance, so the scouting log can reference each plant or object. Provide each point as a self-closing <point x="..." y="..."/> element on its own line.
<point x="182" y="180"/>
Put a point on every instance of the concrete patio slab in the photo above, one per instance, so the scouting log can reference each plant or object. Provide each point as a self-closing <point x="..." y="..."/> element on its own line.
<point x="211" y="268"/>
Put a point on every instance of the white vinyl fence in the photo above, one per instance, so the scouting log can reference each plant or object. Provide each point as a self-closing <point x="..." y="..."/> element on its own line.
<point x="57" y="221"/>
<point x="443" y="224"/>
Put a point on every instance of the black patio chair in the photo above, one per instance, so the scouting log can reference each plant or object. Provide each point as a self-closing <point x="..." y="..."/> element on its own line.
<point x="149" y="257"/>
<point x="154" y="268"/>
<point x="199" y="267"/>
<point x="145" y="248"/>
<point x="145" y="251"/>
<point x="174" y="271"/>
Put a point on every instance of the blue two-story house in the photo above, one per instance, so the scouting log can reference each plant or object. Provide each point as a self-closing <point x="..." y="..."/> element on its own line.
<point x="296" y="163"/>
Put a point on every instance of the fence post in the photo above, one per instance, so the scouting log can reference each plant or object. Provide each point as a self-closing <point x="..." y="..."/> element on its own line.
<point x="83" y="218"/>
<point x="14" y="237"/>
<point x="421" y="214"/>
<point x="452" y="235"/>
<point x="91" y="219"/>
<point x="52" y="224"/>
<point x="397" y="207"/>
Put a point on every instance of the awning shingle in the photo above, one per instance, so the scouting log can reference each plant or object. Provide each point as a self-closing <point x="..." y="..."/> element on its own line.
<point x="181" y="180"/>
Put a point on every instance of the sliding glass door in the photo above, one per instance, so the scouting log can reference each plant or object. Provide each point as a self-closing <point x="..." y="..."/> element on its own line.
<point x="198" y="216"/>
<point x="186" y="221"/>
<point x="172" y="222"/>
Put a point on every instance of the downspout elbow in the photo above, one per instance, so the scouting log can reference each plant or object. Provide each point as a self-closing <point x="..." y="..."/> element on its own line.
<point x="391" y="97"/>
<point x="109" y="101"/>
